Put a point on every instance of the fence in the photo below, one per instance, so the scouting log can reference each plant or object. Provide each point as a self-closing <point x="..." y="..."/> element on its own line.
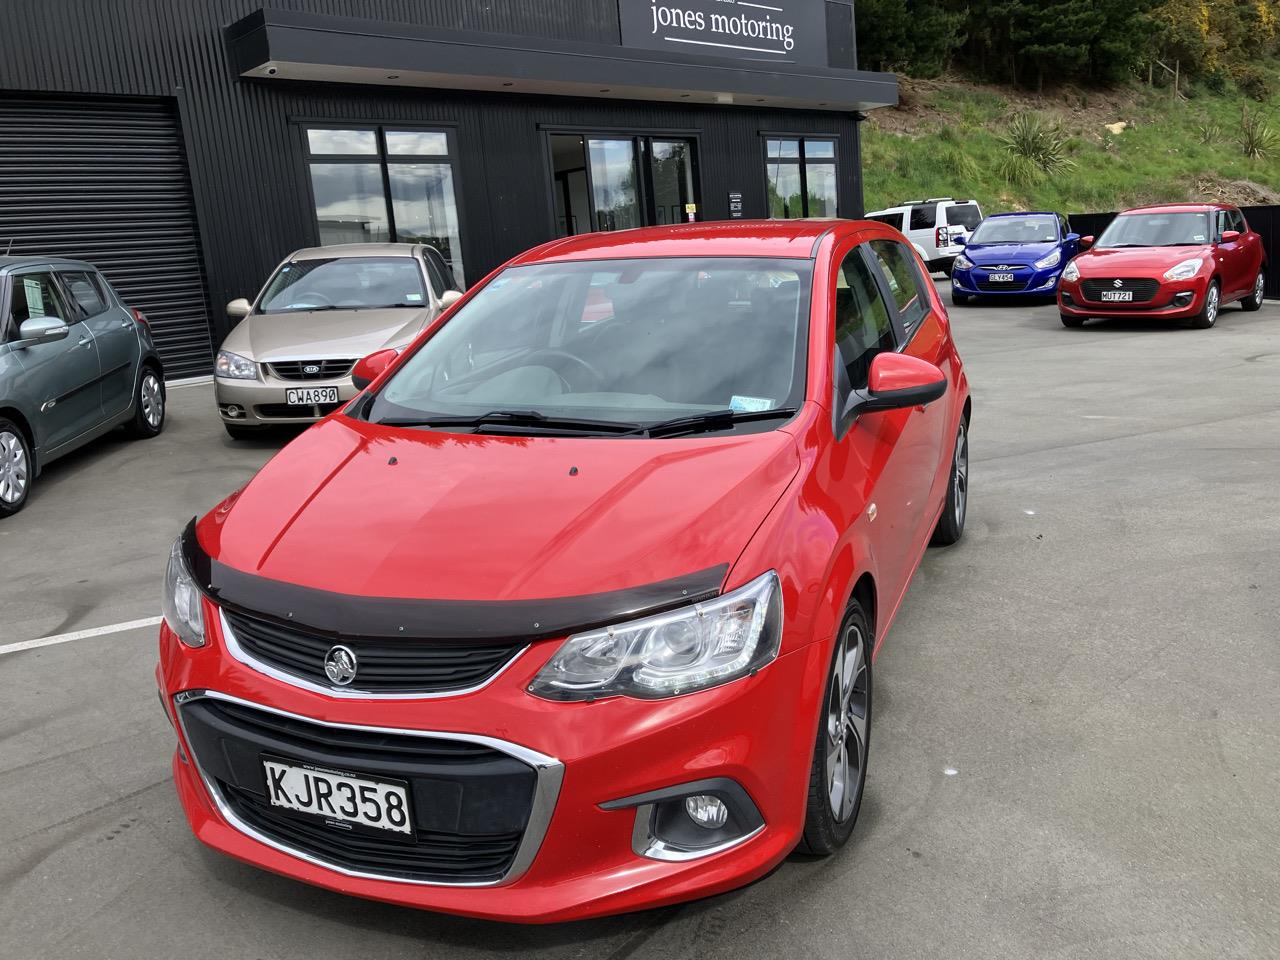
<point x="1264" y="220"/>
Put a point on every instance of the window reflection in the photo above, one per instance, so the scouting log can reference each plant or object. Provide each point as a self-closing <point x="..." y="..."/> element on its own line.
<point x="613" y="181"/>
<point x="423" y="207"/>
<point x="350" y="206"/>
<point x="800" y="178"/>
<point x="420" y="143"/>
<point x="342" y="141"/>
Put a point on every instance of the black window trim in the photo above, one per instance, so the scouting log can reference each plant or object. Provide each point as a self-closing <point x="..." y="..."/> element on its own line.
<point x="802" y="162"/>
<point x="903" y="335"/>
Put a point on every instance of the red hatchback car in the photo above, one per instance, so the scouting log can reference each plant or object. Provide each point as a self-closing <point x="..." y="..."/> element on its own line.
<point x="571" y="614"/>
<point x="1182" y="260"/>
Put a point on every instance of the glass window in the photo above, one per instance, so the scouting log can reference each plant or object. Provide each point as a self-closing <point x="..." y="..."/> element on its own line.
<point x="1025" y="229"/>
<point x="904" y="281"/>
<point x="613" y="183"/>
<point x="628" y="341"/>
<point x="889" y="219"/>
<point x="35" y="295"/>
<point x="1156" y="230"/>
<point x="382" y="199"/>
<point x="1237" y="221"/>
<point x="84" y="289"/>
<point x="796" y="185"/>
<point x="863" y="325"/>
<point x="362" y="142"/>
<point x="965" y="215"/>
<point x="924" y="216"/>
<point x="348" y="283"/>
<point x="421" y="143"/>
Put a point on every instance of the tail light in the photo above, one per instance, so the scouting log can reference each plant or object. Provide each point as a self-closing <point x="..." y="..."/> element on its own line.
<point x="942" y="237"/>
<point x="141" y="317"/>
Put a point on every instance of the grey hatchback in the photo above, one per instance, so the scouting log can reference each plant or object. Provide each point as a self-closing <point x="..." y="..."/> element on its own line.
<point x="75" y="362"/>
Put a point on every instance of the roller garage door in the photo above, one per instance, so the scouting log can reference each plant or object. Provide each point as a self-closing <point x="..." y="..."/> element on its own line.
<point x="106" y="181"/>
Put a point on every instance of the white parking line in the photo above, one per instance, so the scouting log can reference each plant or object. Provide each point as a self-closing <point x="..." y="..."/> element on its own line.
<point x="80" y="635"/>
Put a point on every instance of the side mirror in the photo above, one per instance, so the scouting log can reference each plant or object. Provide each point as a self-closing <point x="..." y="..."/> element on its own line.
<point x="1230" y="236"/>
<point x="239" y="309"/>
<point x="449" y="298"/>
<point x="1072" y="238"/>
<point x="41" y="330"/>
<point x="370" y="368"/>
<point x="1086" y="242"/>
<point x="896" y="381"/>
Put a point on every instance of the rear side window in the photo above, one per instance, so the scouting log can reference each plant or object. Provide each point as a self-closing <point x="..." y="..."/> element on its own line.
<point x="863" y="324"/>
<point x="904" y="281"/>
<point x="924" y="217"/>
<point x="889" y="219"/>
<point x="965" y="215"/>
<point x="86" y="292"/>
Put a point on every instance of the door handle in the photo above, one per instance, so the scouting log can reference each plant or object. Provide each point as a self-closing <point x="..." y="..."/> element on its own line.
<point x="126" y="324"/>
<point x="85" y="342"/>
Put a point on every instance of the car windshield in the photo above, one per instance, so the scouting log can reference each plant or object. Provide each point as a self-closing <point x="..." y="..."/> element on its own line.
<point x="1017" y="230"/>
<point x="344" y="283"/>
<point x="1156" y="230"/>
<point x="965" y="215"/>
<point x="612" y="342"/>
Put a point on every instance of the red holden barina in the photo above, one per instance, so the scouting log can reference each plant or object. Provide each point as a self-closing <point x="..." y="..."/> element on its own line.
<point x="1175" y="261"/>
<point x="573" y="610"/>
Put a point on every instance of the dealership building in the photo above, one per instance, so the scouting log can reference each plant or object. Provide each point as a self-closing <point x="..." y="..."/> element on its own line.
<point x="187" y="146"/>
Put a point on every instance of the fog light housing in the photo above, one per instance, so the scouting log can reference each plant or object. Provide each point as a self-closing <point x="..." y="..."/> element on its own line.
<point x="706" y="811"/>
<point x="1066" y="297"/>
<point x="1183" y="299"/>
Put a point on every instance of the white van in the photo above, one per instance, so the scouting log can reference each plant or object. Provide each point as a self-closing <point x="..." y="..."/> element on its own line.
<point x="937" y="227"/>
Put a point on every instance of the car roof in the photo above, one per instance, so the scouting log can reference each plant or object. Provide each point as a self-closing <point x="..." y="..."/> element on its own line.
<point x="9" y="262"/>
<point x="1021" y="213"/>
<point x="721" y="238"/>
<point x="1178" y="208"/>
<point x="355" y="250"/>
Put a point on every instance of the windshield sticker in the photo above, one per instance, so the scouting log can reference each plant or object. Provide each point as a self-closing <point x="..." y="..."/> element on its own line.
<point x="35" y="297"/>
<point x="1199" y="238"/>
<point x="750" y="404"/>
<point x="414" y="297"/>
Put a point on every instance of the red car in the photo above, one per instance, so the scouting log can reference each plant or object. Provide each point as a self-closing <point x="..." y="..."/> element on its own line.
<point x="568" y="615"/>
<point x="1180" y="260"/>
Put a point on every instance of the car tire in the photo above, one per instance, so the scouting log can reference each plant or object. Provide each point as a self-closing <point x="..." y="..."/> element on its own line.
<point x="1208" y="314"/>
<point x="844" y="738"/>
<point x="950" y="526"/>
<point x="15" y="468"/>
<point x="1070" y="321"/>
<point x="148" y="406"/>
<point x="959" y="299"/>
<point x="1254" y="300"/>
<point x="237" y="431"/>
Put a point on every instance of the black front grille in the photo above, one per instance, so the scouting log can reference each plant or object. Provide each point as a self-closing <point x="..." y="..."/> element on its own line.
<point x="383" y="666"/>
<point x="302" y="369"/>
<point x="1144" y="289"/>
<point x="1013" y="286"/>
<point x="290" y="411"/>
<point x="470" y="803"/>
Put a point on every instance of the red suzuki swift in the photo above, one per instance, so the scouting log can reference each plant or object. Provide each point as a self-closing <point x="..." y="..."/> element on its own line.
<point x="573" y="610"/>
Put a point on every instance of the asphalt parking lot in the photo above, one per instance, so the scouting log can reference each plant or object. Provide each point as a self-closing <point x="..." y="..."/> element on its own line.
<point x="1076" y="735"/>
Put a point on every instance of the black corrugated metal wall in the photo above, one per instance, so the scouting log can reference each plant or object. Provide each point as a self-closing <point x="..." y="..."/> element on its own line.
<point x="106" y="181"/>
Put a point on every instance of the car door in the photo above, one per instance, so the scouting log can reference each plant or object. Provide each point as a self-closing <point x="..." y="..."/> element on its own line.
<point x="926" y="437"/>
<point x="60" y="379"/>
<point x="1227" y="253"/>
<point x="114" y="332"/>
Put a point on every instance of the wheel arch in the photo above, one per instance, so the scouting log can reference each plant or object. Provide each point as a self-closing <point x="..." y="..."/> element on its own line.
<point x="20" y="420"/>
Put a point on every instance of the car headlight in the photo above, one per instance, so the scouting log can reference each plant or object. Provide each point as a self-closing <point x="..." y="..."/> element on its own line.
<point x="1052" y="260"/>
<point x="183" y="611"/>
<point x="692" y="648"/>
<point x="234" y="367"/>
<point x="1185" y="270"/>
<point x="963" y="263"/>
<point x="1072" y="272"/>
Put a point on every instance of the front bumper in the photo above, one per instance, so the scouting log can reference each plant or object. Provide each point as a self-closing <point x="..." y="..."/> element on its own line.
<point x="1027" y="281"/>
<point x="757" y="732"/>
<point x="1173" y="299"/>
<point x="265" y="402"/>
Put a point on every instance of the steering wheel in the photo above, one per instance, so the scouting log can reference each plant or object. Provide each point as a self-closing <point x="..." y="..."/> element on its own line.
<point x="550" y="353"/>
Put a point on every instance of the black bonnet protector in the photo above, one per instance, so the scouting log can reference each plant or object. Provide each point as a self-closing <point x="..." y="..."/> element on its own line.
<point x="381" y="618"/>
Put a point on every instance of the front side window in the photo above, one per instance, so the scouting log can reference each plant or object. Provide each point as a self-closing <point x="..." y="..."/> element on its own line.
<point x="35" y="295"/>
<point x="1157" y="230"/>
<point x="1031" y="229"/>
<point x="379" y="184"/>
<point x="346" y="283"/>
<point x="906" y="285"/>
<point x="800" y="177"/>
<point x="1236" y="219"/>
<point x="623" y="341"/>
<point x="863" y="325"/>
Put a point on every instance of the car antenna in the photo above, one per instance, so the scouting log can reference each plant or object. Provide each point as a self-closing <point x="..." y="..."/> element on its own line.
<point x="9" y="247"/>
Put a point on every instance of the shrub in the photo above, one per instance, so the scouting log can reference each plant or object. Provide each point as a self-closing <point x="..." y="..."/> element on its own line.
<point x="1019" y="171"/>
<point x="1256" y="138"/>
<point x="1208" y="132"/>
<point x="1252" y="82"/>
<point x="1216" y="80"/>
<point x="1033" y="142"/>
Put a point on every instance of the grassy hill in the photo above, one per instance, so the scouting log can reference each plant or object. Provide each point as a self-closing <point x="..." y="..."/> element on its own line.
<point x="943" y="140"/>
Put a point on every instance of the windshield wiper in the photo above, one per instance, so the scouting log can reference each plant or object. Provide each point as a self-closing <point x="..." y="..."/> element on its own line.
<point x="515" y="418"/>
<point x="715" y="420"/>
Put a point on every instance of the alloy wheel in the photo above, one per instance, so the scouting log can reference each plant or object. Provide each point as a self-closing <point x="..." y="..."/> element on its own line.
<point x="1259" y="287"/>
<point x="13" y="467"/>
<point x="961" y="479"/>
<point x="1211" y="306"/>
<point x="151" y="396"/>
<point x="847" y="725"/>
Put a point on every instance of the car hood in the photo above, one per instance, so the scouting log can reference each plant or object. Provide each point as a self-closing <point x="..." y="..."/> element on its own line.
<point x="323" y="334"/>
<point x="994" y="253"/>
<point x="1123" y="261"/>
<point x="356" y="508"/>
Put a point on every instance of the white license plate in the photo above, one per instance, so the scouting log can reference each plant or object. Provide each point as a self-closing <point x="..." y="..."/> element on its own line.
<point x="340" y="798"/>
<point x="1117" y="296"/>
<point x="1000" y="277"/>
<point x="309" y="396"/>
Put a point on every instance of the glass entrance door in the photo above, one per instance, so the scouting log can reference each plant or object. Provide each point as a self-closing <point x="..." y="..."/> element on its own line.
<point x="615" y="183"/>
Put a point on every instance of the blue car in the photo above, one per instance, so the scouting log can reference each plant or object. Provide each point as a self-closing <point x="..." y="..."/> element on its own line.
<point x="1019" y="254"/>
